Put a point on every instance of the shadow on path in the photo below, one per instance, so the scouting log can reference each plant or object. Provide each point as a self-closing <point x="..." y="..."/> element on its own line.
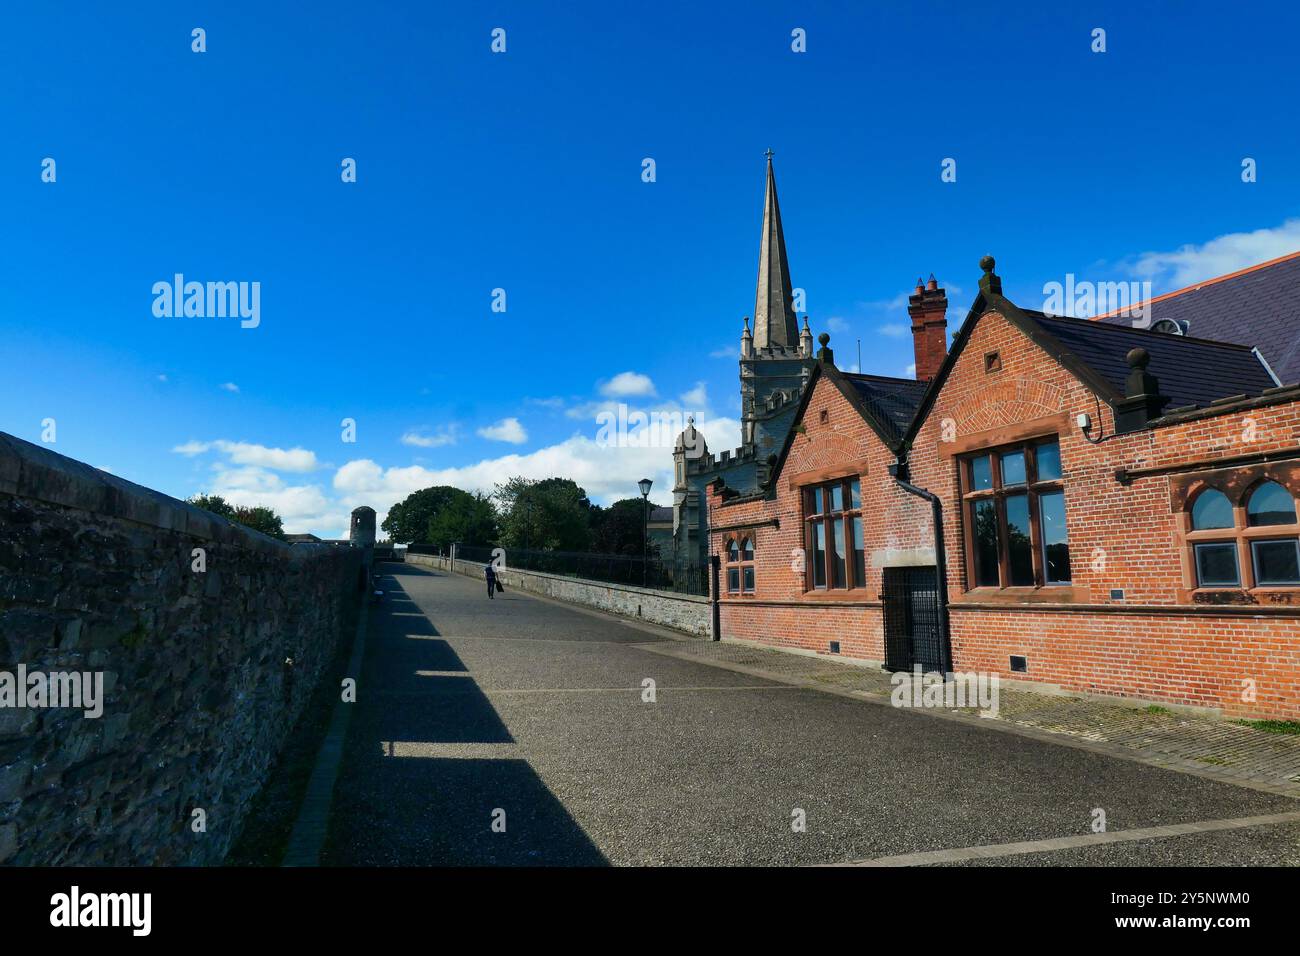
<point x="421" y="782"/>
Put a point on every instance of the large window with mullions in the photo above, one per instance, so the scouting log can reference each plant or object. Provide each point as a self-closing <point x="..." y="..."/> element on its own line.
<point x="836" y="555"/>
<point x="1014" y="502"/>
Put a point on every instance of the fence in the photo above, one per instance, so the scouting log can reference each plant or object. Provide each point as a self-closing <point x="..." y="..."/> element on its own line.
<point x="677" y="576"/>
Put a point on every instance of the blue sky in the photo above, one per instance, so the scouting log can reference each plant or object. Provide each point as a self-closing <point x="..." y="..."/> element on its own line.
<point x="522" y="171"/>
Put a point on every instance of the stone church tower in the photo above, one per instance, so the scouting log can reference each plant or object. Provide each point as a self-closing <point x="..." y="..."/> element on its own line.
<point x="776" y="359"/>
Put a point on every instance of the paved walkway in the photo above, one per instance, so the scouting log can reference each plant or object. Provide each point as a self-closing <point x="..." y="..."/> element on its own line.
<point x="520" y="731"/>
<point x="1216" y="748"/>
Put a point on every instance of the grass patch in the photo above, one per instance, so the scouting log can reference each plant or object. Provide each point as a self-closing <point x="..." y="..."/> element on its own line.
<point x="1273" y="726"/>
<point x="1157" y="709"/>
<point x="1214" y="760"/>
<point x="266" y="830"/>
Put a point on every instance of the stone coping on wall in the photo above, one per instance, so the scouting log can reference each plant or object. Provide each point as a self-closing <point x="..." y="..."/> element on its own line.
<point x="590" y="582"/>
<point x="31" y="471"/>
<point x="544" y="584"/>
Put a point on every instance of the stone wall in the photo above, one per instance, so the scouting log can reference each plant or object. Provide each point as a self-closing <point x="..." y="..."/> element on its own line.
<point x="682" y="612"/>
<point x="204" y="672"/>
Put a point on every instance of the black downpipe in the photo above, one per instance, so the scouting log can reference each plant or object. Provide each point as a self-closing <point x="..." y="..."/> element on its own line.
<point x="714" y="575"/>
<point x="899" y="472"/>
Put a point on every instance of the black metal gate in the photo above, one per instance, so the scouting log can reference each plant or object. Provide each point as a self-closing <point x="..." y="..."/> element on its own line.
<point x="911" y="599"/>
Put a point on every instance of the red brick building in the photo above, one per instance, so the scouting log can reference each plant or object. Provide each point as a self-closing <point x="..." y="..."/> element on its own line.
<point x="1116" y="513"/>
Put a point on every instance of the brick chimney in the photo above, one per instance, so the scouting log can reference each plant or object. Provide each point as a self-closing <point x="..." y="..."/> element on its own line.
<point x="928" y="308"/>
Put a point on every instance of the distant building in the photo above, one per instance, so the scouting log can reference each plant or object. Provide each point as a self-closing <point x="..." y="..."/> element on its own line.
<point x="660" y="530"/>
<point x="776" y="359"/>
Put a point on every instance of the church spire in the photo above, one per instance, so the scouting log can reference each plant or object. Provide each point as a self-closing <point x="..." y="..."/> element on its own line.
<point x="774" y="321"/>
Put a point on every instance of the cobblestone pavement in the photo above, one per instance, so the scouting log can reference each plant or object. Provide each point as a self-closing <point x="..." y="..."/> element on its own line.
<point x="520" y="731"/>
<point x="1206" y="745"/>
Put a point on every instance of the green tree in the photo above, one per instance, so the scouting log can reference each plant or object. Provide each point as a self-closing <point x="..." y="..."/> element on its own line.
<point x="214" y="503"/>
<point x="408" y="520"/>
<point x="552" y="514"/>
<point x="464" y="519"/>
<point x="619" y="528"/>
<point x="442" y="515"/>
<point x="258" y="517"/>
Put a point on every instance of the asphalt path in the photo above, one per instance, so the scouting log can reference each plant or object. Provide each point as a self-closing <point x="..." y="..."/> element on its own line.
<point x="519" y="731"/>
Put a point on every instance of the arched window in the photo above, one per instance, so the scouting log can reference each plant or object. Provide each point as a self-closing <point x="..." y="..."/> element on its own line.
<point x="1254" y="547"/>
<point x="740" y="565"/>
<point x="1270" y="504"/>
<point x="1212" y="509"/>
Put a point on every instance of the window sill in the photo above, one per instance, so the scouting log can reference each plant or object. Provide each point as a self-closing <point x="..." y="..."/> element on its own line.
<point x="835" y="595"/>
<point x="1273" y="594"/>
<point x="1048" y="594"/>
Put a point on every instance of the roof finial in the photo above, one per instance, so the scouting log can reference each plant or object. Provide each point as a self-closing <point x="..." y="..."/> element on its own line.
<point x="769" y="154"/>
<point x="989" y="282"/>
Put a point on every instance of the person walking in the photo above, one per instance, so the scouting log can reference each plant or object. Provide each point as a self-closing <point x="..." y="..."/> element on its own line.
<point x="490" y="573"/>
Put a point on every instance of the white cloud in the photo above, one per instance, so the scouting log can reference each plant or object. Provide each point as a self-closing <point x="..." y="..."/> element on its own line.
<point x="300" y="507"/>
<point x="1192" y="263"/>
<point x="507" y="430"/>
<point x="230" y="386"/>
<point x="246" y="453"/>
<point x="910" y="371"/>
<point x="698" y="397"/>
<point x="894" y="330"/>
<point x="607" y="472"/>
<point x="727" y="351"/>
<point x="628" y="385"/>
<point x="836" y="323"/>
<point x="162" y="378"/>
<point x="440" y="437"/>
<point x="555" y="402"/>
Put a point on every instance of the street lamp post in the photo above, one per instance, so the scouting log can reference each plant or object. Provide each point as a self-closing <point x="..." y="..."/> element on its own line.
<point x="644" y="484"/>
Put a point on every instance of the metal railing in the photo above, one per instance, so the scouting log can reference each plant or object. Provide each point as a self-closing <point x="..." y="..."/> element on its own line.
<point x="661" y="575"/>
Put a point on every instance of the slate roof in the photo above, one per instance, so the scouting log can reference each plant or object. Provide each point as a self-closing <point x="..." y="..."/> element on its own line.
<point x="661" y="515"/>
<point x="1191" y="371"/>
<point x="893" y="401"/>
<point x="1257" y="307"/>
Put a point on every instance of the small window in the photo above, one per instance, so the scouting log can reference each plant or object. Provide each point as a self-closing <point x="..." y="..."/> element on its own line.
<point x="1270" y="504"/>
<point x="824" y="417"/>
<point x="733" y="550"/>
<point x="747" y="549"/>
<point x="981" y="473"/>
<point x="1276" y="562"/>
<point x="1216" y="565"/>
<point x="1211" y="510"/>
<point x="992" y="362"/>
